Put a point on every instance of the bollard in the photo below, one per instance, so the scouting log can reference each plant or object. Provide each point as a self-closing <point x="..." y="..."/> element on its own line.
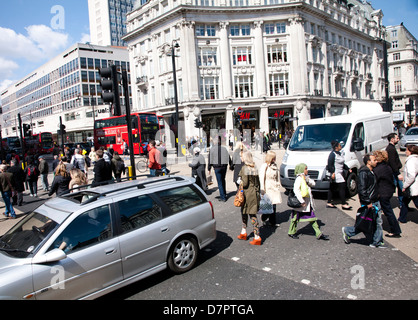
<point x="130" y="171"/>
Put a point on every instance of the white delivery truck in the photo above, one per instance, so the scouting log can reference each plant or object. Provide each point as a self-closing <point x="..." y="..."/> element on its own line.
<point x="364" y="129"/>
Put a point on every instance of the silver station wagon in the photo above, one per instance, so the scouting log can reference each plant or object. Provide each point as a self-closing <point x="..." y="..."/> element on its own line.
<point x="91" y="242"/>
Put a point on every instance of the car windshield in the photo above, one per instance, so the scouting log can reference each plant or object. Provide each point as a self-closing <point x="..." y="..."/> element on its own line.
<point x="412" y="132"/>
<point x="319" y="136"/>
<point x="25" y="236"/>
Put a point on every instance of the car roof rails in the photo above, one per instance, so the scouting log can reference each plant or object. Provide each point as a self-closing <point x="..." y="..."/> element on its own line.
<point x="85" y="195"/>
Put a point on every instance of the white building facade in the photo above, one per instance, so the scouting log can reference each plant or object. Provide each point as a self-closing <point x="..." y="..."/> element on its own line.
<point x="68" y="86"/>
<point x="108" y="21"/>
<point x="403" y="73"/>
<point x="244" y="63"/>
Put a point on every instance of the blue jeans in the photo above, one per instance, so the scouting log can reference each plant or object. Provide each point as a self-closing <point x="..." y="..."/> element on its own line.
<point x="378" y="234"/>
<point x="6" y="195"/>
<point x="404" y="208"/>
<point x="220" y="174"/>
<point x="390" y="215"/>
<point x="399" y="185"/>
<point x="45" y="184"/>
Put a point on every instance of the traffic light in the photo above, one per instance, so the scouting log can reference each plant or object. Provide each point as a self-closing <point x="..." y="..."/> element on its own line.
<point x="62" y="129"/>
<point x="110" y="88"/>
<point x="198" y="124"/>
<point x="26" y="130"/>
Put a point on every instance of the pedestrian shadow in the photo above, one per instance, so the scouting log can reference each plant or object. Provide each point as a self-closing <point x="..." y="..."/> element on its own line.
<point x="18" y="216"/>
<point x="211" y="190"/>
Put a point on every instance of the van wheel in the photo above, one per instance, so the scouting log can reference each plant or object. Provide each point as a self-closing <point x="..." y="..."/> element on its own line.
<point x="183" y="255"/>
<point x="351" y="185"/>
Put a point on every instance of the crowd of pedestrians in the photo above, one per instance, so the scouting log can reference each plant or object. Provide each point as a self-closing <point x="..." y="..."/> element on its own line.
<point x="70" y="173"/>
<point x="377" y="181"/>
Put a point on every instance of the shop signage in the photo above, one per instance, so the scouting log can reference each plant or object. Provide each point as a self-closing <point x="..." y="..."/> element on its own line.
<point x="243" y="115"/>
<point x="279" y="114"/>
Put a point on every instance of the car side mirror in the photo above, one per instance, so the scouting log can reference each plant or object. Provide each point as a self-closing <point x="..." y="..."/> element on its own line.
<point x="358" y="144"/>
<point x="51" y="256"/>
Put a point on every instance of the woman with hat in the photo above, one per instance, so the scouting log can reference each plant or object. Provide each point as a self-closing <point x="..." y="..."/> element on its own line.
<point x="302" y="190"/>
<point x="198" y="169"/>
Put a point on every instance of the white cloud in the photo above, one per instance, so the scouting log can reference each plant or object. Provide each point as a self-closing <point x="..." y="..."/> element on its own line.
<point x="48" y="41"/>
<point x="39" y="45"/>
<point x="84" y="38"/>
<point x="6" y="68"/>
<point x="5" y="84"/>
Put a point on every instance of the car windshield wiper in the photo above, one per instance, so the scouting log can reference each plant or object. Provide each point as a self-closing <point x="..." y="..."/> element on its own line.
<point x="13" y="250"/>
<point x="4" y="243"/>
<point x="302" y="149"/>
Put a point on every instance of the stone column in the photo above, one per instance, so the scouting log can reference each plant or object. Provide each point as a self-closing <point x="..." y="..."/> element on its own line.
<point x="326" y="72"/>
<point x="260" y="70"/>
<point x="225" y="62"/>
<point x="229" y="119"/>
<point x="264" y="117"/>
<point x="189" y="60"/>
<point x="298" y="62"/>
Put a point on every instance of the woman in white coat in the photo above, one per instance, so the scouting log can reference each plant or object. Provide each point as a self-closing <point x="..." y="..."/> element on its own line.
<point x="302" y="190"/>
<point x="270" y="185"/>
<point x="410" y="181"/>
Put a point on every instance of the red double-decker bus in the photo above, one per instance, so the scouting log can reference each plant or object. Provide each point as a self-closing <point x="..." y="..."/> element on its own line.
<point x="113" y="130"/>
<point x="41" y="143"/>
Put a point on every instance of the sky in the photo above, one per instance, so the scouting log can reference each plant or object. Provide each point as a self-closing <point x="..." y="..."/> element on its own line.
<point x="33" y="32"/>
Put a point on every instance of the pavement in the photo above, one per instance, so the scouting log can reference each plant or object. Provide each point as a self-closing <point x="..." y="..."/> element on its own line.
<point x="407" y="244"/>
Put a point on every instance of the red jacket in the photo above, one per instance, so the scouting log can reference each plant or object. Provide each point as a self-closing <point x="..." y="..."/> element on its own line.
<point x="153" y="157"/>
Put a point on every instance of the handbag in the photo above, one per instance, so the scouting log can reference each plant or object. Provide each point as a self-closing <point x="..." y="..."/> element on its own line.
<point x="266" y="207"/>
<point x="292" y="200"/>
<point x="366" y="219"/>
<point x="304" y="188"/>
<point x="239" y="197"/>
<point x="209" y="179"/>
<point x="407" y="193"/>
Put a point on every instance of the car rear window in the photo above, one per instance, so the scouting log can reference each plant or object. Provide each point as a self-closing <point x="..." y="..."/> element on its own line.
<point x="180" y="199"/>
<point x="138" y="212"/>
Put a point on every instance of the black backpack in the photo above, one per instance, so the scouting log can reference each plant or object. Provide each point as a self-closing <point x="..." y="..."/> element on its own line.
<point x="33" y="172"/>
<point x="120" y="166"/>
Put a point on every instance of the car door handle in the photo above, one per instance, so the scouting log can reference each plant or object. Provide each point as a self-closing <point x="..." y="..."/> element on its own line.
<point x="110" y="251"/>
<point x="165" y="229"/>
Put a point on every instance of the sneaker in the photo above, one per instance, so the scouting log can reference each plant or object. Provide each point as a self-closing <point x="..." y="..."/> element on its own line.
<point x="379" y="245"/>
<point x="345" y="237"/>
<point x="323" y="237"/>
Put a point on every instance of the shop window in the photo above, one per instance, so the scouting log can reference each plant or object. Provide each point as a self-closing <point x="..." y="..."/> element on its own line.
<point x="279" y="84"/>
<point x="276" y="53"/>
<point x="244" y="87"/>
<point x="241" y="56"/>
<point x="207" y="57"/>
<point x="209" y="88"/>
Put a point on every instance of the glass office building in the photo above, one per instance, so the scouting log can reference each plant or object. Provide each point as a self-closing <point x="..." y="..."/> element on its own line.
<point x="108" y="21"/>
<point x="68" y="86"/>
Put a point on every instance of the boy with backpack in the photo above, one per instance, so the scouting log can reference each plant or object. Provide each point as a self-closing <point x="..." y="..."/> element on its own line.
<point x="32" y="174"/>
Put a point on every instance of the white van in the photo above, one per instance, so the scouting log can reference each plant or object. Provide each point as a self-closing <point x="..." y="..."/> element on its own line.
<point x="362" y="131"/>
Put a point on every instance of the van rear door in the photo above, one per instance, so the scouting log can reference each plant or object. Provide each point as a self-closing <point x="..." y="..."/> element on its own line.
<point x="376" y="132"/>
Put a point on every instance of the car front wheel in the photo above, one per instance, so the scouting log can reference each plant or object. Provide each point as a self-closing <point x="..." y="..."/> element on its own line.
<point x="183" y="255"/>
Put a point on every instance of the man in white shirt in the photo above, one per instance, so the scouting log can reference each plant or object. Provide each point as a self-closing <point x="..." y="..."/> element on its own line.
<point x="78" y="161"/>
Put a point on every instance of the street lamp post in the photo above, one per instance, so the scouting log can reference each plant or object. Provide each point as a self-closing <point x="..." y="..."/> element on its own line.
<point x="176" y="100"/>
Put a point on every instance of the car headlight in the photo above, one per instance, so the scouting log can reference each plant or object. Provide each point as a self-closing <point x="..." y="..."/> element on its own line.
<point x="284" y="160"/>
